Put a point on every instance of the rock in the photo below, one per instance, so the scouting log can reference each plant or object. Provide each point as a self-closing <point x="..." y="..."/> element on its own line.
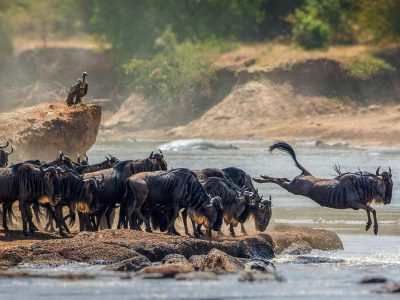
<point x="197" y="261"/>
<point x="200" y="275"/>
<point x="389" y="288"/>
<point x="174" y="258"/>
<point x="259" y="265"/>
<point x="165" y="271"/>
<point x="123" y="245"/>
<point x="132" y="264"/>
<point x="257" y="276"/>
<point x="302" y="247"/>
<point x="284" y="235"/>
<point x="259" y="270"/>
<point x="373" y="279"/>
<point x="220" y="262"/>
<point x="40" y="132"/>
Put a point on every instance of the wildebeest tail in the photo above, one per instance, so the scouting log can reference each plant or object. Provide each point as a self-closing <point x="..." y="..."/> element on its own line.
<point x="285" y="147"/>
<point x="37" y="212"/>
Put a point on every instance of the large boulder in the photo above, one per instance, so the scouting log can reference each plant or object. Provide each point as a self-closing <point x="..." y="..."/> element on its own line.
<point x="40" y="132"/>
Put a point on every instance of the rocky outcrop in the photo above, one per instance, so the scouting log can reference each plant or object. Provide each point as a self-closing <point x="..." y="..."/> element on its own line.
<point x="129" y="250"/>
<point x="40" y="132"/>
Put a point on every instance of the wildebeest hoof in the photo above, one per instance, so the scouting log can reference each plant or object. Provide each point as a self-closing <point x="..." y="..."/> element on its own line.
<point x="368" y="226"/>
<point x="375" y="230"/>
<point x="149" y="230"/>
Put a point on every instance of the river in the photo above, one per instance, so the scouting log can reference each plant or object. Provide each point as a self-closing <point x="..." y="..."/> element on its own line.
<point x="319" y="275"/>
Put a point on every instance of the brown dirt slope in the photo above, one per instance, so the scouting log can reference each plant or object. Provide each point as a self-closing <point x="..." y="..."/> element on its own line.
<point x="40" y="132"/>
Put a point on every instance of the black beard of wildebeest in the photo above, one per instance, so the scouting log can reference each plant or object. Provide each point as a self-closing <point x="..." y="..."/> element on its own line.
<point x="27" y="183"/>
<point x="4" y="155"/>
<point x="349" y="190"/>
<point x="260" y="210"/>
<point x="170" y="191"/>
<point x="113" y="187"/>
<point x="76" y="193"/>
<point x="235" y="204"/>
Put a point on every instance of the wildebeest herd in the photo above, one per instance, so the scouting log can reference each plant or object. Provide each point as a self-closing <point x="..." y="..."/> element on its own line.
<point x="151" y="196"/>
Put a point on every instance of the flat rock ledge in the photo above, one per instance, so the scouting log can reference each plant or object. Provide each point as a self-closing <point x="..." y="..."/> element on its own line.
<point x="129" y="250"/>
<point x="40" y="132"/>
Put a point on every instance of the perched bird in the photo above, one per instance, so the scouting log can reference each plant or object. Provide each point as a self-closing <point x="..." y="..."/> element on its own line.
<point x="78" y="90"/>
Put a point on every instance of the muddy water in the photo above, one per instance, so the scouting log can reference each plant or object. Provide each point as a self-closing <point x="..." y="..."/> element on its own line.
<point x="327" y="275"/>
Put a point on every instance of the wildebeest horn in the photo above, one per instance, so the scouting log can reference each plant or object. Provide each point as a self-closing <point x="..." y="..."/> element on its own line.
<point x="106" y="157"/>
<point x="7" y="143"/>
<point x="79" y="159"/>
<point x="377" y="170"/>
<point x="44" y="170"/>
<point x="12" y="150"/>
<point x="161" y="153"/>
<point x="61" y="155"/>
<point x="390" y="170"/>
<point x="151" y="154"/>
<point x="87" y="158"/>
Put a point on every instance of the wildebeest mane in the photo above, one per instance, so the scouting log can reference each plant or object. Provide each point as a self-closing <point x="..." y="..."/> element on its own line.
<point x="31" y="177"/>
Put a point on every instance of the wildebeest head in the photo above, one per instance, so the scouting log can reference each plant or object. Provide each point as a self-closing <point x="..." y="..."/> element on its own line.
<point x="111" y="160"/>
<point x="83" y="162"/>
<point x="4" y="155"/>
<point x="384" y="186"/>
<point x="159" y="158"/>
<point x="216" y="204"/>
<point x="52" y="183"/>
<point x="262" y="212"/>
<point x="92" y="191"/>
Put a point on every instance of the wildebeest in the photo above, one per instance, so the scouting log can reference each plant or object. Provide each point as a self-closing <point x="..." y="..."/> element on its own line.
<point x="4" y="154"/>
<point x="261" y="209"/>
<point x="348" y="190"/>
<point x="171" y="191"/>
<point x="235" y="203"/>
<point x="83" y="162"/>
<point x="235" y="179"/>
<point x="113" y="187"/>
<point x="76" y="193"/>
<point x="28" y="184"/>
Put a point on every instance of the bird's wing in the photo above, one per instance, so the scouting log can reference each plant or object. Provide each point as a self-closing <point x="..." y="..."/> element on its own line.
<point x="86" y="89"/>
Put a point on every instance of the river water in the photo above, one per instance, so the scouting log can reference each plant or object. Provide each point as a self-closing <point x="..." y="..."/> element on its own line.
<point x="319" y="275"/>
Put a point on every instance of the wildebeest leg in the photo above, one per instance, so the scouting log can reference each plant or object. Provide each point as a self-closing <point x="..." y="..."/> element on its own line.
<point x="81" y="222"/>
<point x="22" y="208"/>
<point x="283" y="182"/>
<point x="171" y="229"/>
<point x="32" y="227"/>
<point x="369" y="222"/>
<point x="56" y="218"/>
<point x="184" y="219"/>
<point x="375" y="220"/>
<point x="99" y="215"/>
<point x="5" y="226"/>
<point x="367" y="209"/>
<point x="231" y="230"/>
<point x="242" y="229"/>
<point x="195" y="229"/>
<point x="108" y="213"/>
<point x="60" y="217"/>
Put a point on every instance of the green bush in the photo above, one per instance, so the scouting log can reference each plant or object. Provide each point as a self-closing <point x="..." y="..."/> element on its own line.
<point x="309" y="31"/>
<point x="367" y="66"/>
<point x="178" y="73"/>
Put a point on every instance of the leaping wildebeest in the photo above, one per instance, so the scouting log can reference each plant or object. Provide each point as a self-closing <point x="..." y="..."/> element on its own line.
<point x="349" y="190"/>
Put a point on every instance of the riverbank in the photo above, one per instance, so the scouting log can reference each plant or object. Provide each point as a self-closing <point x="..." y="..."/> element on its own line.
<point x="110" y="247"/>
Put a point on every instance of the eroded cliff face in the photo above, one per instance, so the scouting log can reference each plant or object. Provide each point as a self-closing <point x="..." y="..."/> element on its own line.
<point x="40" y="132"/>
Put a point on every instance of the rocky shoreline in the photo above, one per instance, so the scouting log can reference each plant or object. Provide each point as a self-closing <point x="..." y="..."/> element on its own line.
<point x="163" y="255"/>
